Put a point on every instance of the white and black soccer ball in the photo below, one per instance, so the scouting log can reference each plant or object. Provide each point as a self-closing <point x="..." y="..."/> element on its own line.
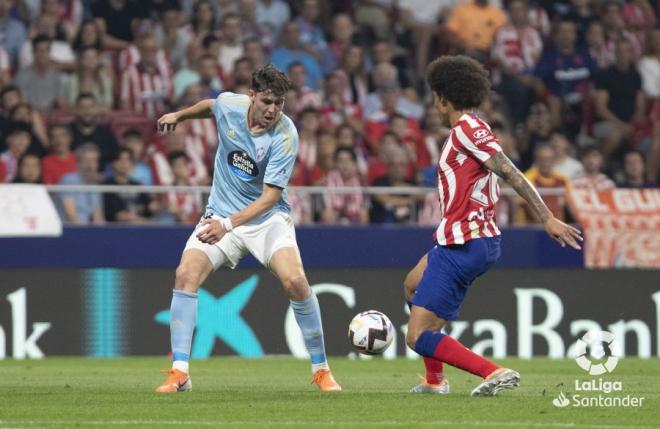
<point x="370" y="332"/>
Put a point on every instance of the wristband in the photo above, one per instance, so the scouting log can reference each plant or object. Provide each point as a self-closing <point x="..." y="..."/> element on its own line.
<point x="226" y="223"/>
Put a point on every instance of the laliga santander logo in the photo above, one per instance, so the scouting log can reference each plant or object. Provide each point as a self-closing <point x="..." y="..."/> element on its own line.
<point x="601" y="344"/>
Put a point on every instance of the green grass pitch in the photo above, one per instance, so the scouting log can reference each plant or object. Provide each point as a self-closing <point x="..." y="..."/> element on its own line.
<point x="275" y="392"/>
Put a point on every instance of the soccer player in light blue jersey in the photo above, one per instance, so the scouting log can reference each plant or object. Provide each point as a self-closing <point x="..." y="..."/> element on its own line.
<point x="247" y="211"/>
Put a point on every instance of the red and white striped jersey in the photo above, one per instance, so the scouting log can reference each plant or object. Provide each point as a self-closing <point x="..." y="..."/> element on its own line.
<point x="146" y="93"/>
<point x="468" y="191"/>
<point x="130" y="57"/>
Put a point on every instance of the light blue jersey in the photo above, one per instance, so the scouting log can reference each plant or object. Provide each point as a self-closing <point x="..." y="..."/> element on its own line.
<point x="245" y="161"/>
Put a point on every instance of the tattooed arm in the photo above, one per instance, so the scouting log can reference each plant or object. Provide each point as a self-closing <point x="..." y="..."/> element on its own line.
<point x="564" y="234"/>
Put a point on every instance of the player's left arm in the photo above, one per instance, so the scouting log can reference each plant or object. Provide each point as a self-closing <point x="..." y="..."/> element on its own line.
<point x="201" y="110"/>
<point x="564" y="234"/>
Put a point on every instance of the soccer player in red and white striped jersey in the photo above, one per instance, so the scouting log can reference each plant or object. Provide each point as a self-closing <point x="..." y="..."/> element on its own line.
<point x="468" y="240"/>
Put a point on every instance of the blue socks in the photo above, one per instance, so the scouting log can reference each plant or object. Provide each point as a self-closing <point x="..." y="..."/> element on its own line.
<point x="308" y="316"/>
<point x="427" y="343"/>
<point x="183" y="316"/>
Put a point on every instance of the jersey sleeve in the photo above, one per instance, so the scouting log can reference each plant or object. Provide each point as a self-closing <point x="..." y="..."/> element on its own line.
<point x="477" y="140"/>
<point x="282" y="159"/>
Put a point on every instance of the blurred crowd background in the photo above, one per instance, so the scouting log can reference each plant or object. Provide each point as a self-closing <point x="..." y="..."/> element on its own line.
<point x="575" y="100"/>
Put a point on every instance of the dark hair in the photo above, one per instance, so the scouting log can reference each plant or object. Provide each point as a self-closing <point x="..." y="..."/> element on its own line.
<point x="308" y="110"/>
<point x="84" y="95"/>
<point x="635" y="151"/>
<point x="589" y="149"/>
<point x="19" y="164"/>
<point x="123" y="150"/>
<point x="207" y="40"/>
<point x="176" y="154"/>
<point x="194" y="22"/>
<point x="295" y="64"/>
<point x="40" y="38"/>
<point x="18" y="127"/>
<point x="347" y="150"/>
<point x="78" y="42"/>
<point x="7" y="89"/>
<point x="460" y="80"/>
<point x="131" y="133"/>
<point x="270" y="78"/>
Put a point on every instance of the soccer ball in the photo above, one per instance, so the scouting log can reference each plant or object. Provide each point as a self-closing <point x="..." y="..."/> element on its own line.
<point x="370" y="332"/>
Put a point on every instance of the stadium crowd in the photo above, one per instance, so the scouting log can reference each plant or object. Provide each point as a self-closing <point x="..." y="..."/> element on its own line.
<point x="575" y="101"/>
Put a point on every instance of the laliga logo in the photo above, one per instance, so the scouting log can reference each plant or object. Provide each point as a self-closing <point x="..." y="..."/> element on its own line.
<point x="601" y="344"/>
<point x="479" y="134"/>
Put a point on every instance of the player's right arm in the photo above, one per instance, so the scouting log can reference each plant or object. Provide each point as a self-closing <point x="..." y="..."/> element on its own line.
<point x="564" y="234"/>
<point x="200" y="110"/>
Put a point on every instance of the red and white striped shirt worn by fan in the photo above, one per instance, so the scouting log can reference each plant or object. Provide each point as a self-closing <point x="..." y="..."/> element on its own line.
<point x="468" y="191"/>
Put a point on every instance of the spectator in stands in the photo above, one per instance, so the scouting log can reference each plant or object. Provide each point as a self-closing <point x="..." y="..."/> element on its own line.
<point x="307" y="97"/>
<point x="344" y="208"/>
<point x="385" y="77"/>
<point x="231" y="47"/>
<point x="125" y="207"/>
<point x="254" y="50"/>
<point x="565" y="164"/>
<point x="243" y="69"/>
<point x="17" y="143"/>
<point x="347" y="138"/>
<point x="311" y="34"/>
<point x="291" y="50"/>
<point x="325" y="161"/>
<point x="649" y="69"/>
<point x="422" y="19"/>
<point x="29" y="169"/>
<point x="473" y="26"/>
<point x="176" y="141"/>
<point x="132" y="140"/>
<point x="353" y="66"/>
<point x="538" y="128"/>
<point x="89" y="36"/>
<point x="24" y="115"/>
<point x="171" y="36"/>
<point x="145" y="88"/>
<point x="619" y="101"/>
<point x="376" y="16"/>
<point x="592" y="162"/>
<point x="93" y="78"/>
<point x="595" y="38"/>
<point x="615" y="29"/>
<point x="274" y="14"/>
<point x="203" y="20"/>
<point x="61" y="160"/>
<point x="542" y="175"/>
<point x="83" y="207"/>
<point x="409" y="132"/>
<point x="337" y="108"/>
<point x="12" y="31"/>
<point x="581" y="13"/>
<point x="86" y="128"/>
<point x="383" y="53"/>
<point x="343" y="32"/>
<point x="117" y="20"/>
<point x="208" y="77"/>
<point x="308" y="132"/>
<point x="60" y="53"/>
<point x="40" y="83"/>
<point x="394" y="208"/>
<point x="565" y="73"/>
<point x="185" y="205"/>
<point x="251" y="29"/>
<point x="516" y="51"/>
<point x="633" y="169"/>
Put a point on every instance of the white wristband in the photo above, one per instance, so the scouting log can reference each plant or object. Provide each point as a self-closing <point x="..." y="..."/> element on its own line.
<point x="226" y="223"/>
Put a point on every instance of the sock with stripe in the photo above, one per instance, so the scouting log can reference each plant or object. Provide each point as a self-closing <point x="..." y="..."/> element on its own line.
<point x="308" y="316"/>
<point x="445" y="349"/>
<point x="183" y="316"/>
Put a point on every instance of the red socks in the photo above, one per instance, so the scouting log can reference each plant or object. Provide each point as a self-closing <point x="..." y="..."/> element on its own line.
<point x="433" y="370"/>
<point x="456" y="354"/>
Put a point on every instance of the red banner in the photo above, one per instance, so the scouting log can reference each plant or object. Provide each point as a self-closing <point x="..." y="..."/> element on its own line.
<point x="621" y="226"/>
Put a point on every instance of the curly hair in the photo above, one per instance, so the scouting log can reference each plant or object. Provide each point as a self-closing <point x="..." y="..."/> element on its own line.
<point x="460" y="80"/>
<point x="270" y="78"/>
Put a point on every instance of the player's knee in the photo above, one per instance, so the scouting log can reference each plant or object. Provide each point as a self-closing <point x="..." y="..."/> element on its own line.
<point x="296" y="287"/>
<point x="411" y="337"/>
<point x="186" y="279"/>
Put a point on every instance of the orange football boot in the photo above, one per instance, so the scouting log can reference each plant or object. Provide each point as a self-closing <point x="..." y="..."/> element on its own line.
<point x="326" y="382"/>
<point x="177" y="381"/>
